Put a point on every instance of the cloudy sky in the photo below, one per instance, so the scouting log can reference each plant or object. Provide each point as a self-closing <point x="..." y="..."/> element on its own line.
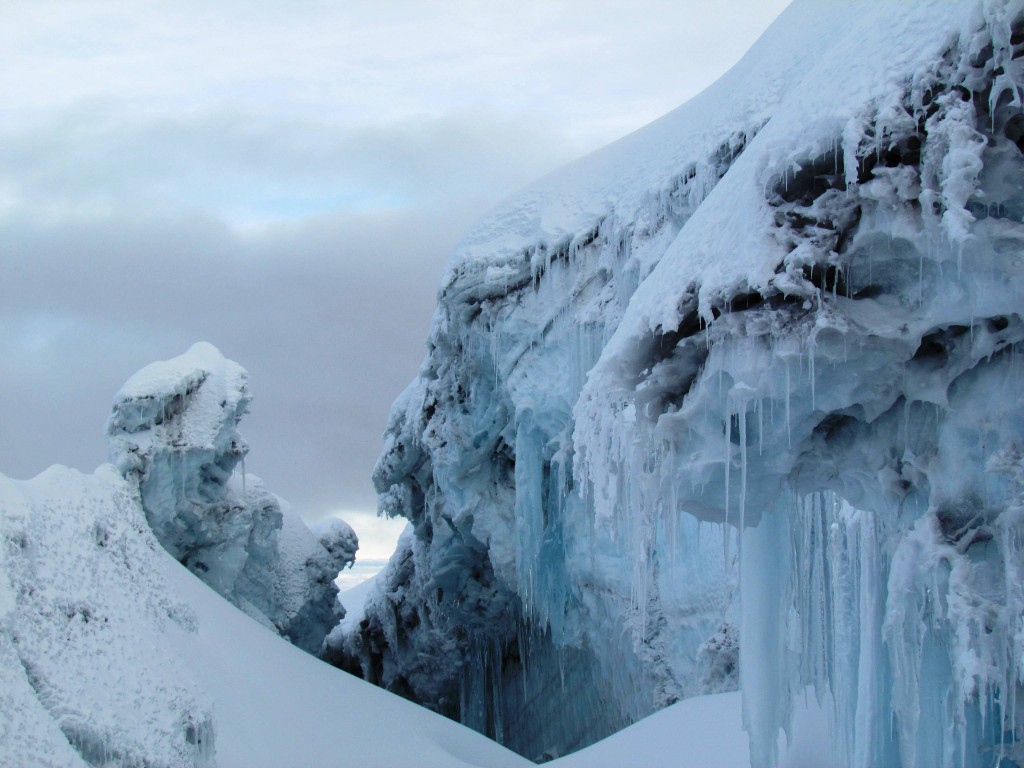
<point x="286" y="180"/>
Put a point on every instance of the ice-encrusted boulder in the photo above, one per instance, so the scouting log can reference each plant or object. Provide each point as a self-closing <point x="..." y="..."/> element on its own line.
<point x="741" y="390"/>
<point x="173" y="433"/>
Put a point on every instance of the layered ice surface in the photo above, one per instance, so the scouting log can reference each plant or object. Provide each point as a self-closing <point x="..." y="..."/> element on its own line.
<point x="737" y="402"/>
<point x="173" y="434"/>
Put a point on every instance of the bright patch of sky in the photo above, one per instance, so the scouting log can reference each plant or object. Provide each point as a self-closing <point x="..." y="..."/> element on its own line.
<point x="377" y="535"/>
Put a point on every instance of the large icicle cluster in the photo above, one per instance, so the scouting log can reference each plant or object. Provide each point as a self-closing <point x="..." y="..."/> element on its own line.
<point x="861" y="406"/>
<point x="173" y="432"/>
<point x="739" y="390"/>
<point x="506" y="609"/>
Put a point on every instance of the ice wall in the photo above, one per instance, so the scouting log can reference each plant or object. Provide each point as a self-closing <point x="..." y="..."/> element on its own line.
<point x="507" y="609"/>
<point x="173" y="434"/>
<point x="741" y="390"/>
<point x="860" y="404"/>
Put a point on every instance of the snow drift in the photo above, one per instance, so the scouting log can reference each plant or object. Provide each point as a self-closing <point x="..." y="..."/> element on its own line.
<point x="739" y="393"/>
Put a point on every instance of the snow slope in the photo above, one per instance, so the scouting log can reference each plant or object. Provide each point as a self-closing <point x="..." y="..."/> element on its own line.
<point x="702" y="732"/>
<point x="112" y="653"/>
<point x="277" y="706"/>
<point x="741" y="391"/>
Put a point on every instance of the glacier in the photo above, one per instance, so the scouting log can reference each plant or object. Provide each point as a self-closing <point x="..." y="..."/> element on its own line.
<point x="172" y="433"/>
<point x="736" y="403"/>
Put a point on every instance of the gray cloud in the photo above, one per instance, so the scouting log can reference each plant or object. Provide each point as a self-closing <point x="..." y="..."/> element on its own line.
<point x="287" y="186"/>
<point x="87" y="162"/>
<point x="330" y="320"/>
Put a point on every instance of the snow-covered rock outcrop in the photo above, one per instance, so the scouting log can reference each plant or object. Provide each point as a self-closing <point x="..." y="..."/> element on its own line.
<point x="173" y="433"/>
<point x="741" y="391"/>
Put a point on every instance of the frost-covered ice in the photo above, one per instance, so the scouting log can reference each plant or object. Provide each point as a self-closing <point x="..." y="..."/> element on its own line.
<point x="113" y="654"/>
<point x="337" y="537"/>
<point x="741" y="391"/>
<point x="173" y="433"/>
<point x="89" y="676"/>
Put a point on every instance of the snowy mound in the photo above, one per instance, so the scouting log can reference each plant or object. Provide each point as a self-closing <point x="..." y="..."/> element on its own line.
<point x="112" y="654"/>
<point x="173" y="433"/>
<point x="739" y="392"/>
<point x="89" y="677"/>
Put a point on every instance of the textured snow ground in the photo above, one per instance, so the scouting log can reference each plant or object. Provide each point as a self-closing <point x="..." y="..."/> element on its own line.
<point x="112" y="653"/>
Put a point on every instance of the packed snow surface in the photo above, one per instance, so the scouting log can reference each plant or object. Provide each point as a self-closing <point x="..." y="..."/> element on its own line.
<point x="703" y="732"/>
<point x="737" y="402"/>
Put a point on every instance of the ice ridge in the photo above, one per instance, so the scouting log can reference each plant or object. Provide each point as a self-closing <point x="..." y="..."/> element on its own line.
<point x="173" y="434"/>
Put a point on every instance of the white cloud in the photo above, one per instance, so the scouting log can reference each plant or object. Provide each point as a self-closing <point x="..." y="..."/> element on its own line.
<point x="596" y="68"/>
<point x="88" y="163"/>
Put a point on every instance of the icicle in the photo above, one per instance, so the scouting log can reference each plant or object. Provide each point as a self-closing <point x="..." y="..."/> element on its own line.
<point x="743" y="468"/>
<point x="760" y="426"/>
<point x="496" y="692"/>
<point x="561" y="670"/>
<point x="810" y="366"/>
<point x="728" y="458"/>
<point x="523" y="656"/>
<point x="789" y="434"/>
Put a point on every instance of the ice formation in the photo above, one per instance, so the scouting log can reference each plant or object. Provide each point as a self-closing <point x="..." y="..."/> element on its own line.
<point x="740" y="392"/>
<point x="112" y="653"/>
<point x="173" y="434"/>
